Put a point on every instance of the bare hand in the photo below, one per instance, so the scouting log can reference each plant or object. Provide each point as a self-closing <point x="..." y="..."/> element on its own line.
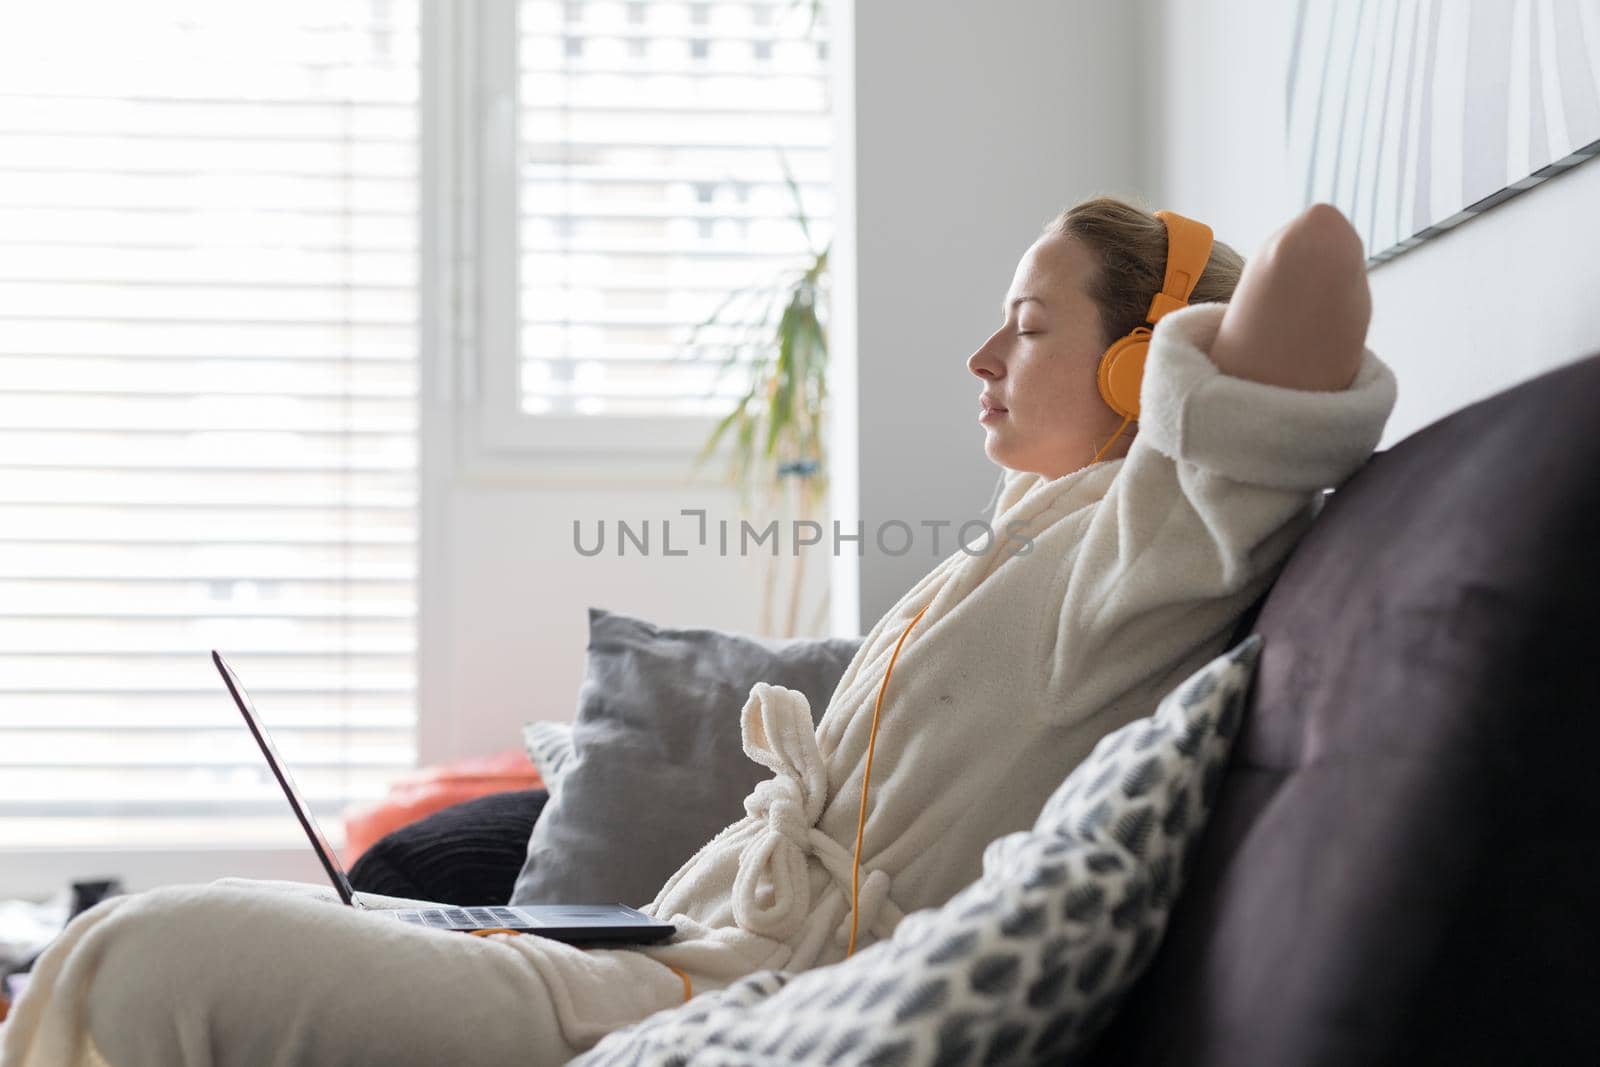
<point x="1299" y="315"/>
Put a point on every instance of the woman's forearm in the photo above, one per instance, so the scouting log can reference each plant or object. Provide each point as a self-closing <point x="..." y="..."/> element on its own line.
<point x="1299" y="315"/>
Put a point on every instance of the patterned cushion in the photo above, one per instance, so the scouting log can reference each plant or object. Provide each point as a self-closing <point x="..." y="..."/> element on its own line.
<point x="1026" y="964"/>
<point x="549" y="747"/>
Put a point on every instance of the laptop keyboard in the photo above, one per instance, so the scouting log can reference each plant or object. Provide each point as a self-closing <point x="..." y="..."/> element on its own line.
<point x="464" y="918"/>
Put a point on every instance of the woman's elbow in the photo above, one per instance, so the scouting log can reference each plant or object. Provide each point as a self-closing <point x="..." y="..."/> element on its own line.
<point x="1298" y="318"/>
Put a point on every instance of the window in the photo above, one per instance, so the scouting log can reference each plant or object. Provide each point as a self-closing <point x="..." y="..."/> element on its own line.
<point x="650" y="184"/>
<point x="220" y="242"/>
<point x="208" y="305"/>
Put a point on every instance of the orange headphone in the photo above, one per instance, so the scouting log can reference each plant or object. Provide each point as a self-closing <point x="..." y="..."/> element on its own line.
<point x="1122" y="366"/>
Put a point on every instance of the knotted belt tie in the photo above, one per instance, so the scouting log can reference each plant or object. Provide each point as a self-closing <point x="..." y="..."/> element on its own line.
<point x="778" y="734"/>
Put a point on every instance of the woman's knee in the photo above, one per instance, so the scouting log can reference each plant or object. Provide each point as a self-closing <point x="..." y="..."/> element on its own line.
<point x="161" y="965"/>
<point x="227" y="974"/>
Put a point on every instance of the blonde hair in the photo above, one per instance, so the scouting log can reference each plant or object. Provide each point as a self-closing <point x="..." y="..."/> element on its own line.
<point x="1130" y="245"/>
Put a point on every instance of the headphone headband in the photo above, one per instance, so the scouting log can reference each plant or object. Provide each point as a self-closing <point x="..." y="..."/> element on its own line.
<point x="1121" y="369"/>
<point x="1188" y="250"/>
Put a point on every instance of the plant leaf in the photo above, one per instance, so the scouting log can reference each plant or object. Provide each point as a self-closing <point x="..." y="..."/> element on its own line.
<point x="785" y="398"/>
<point x="726" y="421"/>
<point x="794" y="191"/>
<point x="780" y="405"/>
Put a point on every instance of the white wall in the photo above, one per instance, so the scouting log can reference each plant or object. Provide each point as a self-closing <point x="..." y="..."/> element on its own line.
<point x="973" y="124"/>
<point x="1495" y="301"/>
<point x="504" y="619"/>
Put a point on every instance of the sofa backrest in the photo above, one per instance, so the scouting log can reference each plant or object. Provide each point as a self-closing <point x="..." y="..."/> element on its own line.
<point x="1402" y="864"/>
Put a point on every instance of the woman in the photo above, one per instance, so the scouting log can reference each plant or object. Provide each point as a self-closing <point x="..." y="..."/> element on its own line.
<point x="1123" y="554"/>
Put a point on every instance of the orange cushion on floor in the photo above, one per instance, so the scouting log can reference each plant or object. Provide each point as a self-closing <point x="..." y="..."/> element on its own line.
<point x="432" y="788"/>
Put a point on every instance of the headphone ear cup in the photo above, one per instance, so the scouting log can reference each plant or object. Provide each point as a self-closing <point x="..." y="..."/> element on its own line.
<point x="1122" y="370"/>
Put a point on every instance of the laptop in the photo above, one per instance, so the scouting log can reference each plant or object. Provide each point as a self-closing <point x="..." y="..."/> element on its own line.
<point x="582" y="924"/>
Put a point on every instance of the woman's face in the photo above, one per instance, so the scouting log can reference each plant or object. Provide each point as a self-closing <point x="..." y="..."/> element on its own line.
<point x="1040" y="366"/>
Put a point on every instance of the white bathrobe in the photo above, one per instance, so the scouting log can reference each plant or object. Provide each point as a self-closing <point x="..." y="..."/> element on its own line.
<point x="1099" y="591"/>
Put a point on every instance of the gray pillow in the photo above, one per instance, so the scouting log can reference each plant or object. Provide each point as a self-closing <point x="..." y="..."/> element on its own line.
<point x="658" y="765"/>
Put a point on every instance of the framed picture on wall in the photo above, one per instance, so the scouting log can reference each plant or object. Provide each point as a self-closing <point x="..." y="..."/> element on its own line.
<point x="1412" y="116"/>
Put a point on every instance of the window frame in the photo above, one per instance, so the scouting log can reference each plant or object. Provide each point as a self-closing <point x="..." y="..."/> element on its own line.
<point x="502" y="438"/>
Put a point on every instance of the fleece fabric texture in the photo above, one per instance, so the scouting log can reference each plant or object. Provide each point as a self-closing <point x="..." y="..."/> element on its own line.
<point x="1099" y="591"/>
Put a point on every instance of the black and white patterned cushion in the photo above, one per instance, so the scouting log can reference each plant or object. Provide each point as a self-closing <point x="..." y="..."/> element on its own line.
<point x="549" y="748"/>
<point x="1024" y="965"/>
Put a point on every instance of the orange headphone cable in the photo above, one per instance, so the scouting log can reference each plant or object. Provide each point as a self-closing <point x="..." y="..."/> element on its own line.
<point x="688" y="986"/>
<point x="866" y="778"/>
<point x="1126" y="419"/>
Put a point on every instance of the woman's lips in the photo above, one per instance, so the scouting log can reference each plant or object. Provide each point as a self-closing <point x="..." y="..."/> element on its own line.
<point x="985" y="412"/>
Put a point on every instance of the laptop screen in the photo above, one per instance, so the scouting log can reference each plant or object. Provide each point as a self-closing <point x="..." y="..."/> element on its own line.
<point x="330" y="861"/>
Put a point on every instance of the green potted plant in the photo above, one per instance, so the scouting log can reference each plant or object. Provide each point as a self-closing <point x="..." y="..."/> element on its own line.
<point x="777" y="451"/>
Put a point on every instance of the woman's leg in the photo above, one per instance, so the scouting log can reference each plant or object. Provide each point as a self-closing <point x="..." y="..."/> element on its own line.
<point x="265" y="974"/>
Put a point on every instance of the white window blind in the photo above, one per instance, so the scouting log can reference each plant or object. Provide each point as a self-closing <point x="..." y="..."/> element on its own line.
<point x="650" y="187"/>
<point x="208" y="304"/>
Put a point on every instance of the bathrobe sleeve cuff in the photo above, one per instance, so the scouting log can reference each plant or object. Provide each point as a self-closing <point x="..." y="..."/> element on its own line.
<point x="1248" y="431"/>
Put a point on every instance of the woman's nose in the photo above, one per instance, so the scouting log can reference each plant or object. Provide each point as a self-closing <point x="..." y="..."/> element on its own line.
<point x="983" y="364"/>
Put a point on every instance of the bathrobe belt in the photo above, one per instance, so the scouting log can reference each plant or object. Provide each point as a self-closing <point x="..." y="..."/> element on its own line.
<point x="772" y="890"/>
